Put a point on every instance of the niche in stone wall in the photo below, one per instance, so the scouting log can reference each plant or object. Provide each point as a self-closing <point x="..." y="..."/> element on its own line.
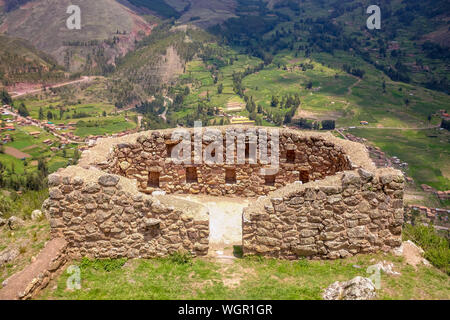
<point x="191" y="175"/>
<point x="230" y="176"/>
<point x="290" y="156"/>
<point x="270" y="179"/>
<point x="153" y="179"/>
<point x="169" y="147"/>
<point x="304" y="176"/>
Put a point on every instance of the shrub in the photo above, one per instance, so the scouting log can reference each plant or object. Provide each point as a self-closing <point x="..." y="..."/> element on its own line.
<point x="107" y="265"/>
<point x="5" y="204"/>
<point x="437" y="248"/>
<point x="181" y="257"/>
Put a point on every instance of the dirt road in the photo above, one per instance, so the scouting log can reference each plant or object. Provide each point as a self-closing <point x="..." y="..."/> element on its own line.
<point x="15" y="95"/>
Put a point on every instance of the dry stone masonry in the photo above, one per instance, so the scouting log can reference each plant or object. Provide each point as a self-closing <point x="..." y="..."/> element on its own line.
<point x="148" y="160"/>
<point x="326" y="201"/>
<point x="104" y="216"/>
<point x="352" y="212"/>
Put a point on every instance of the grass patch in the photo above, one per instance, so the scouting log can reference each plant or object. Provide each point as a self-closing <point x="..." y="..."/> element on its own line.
<point x="437" y="248"/>
<point x="245" y="279"/>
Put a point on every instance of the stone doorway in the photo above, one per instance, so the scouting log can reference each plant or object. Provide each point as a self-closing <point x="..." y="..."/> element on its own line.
<point x="225" y="223"/>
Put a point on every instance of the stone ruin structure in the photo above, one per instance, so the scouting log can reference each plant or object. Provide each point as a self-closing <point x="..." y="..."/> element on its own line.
<point x="326" y="201"/>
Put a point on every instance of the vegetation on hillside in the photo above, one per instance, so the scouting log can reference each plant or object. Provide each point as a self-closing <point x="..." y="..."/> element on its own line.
<point x="20" y="62"/>
<point x="437" y="248"/>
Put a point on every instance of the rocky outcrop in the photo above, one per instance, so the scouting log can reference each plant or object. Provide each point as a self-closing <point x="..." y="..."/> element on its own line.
<point x="358" y="288"/>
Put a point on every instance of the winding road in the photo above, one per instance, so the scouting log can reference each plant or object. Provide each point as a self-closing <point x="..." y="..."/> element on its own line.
<point x="15" y="94"/>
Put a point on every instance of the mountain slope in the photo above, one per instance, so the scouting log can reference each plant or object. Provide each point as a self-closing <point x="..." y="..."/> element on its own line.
<point x="21" y="62"/>
<point x="408" y="47"/>
<point x="109" y="29"/>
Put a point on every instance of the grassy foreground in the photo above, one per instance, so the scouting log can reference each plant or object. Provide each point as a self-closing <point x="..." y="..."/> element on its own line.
<point x="248" y="278"/>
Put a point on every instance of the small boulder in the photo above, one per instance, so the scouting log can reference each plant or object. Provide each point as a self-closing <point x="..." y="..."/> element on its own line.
<point x="8" y="255"/>
<point x="3" y="222"/>
<point x="36" y="215"/>
<point x="358" y="288"/>
<point x="152" y="222"/>
<point x="108" y="181"/>
<point x="15" y="223"/>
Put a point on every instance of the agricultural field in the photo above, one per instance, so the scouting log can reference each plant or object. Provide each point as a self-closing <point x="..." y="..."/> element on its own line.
<point x="202" y="85"/>
<point x="87" y="106"/>
<point x="426" y="152"/>
<point x="22" y="153"/>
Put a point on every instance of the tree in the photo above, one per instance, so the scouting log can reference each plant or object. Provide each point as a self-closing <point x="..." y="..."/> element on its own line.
<point x="328" y="124"/>
<point x="49" y="115"/>
<point x="445" y="124"/>
<point x="274" y="103"/>
<point x="220" y="89"/>
<point x="41" y="114"/>
<point x="43" y="167"/>
<point x="5" y="97"/>
<point x="23" y="110"/>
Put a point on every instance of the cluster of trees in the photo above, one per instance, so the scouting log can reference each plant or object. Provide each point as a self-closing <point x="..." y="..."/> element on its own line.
<point x="445" y="124"/>
<point x="267" y="32"/>
<point x="5" y="98"/>
<point x="22" y="110"/>
<point x="315" y="125"/>
<point x="30" y="180"/>
<point x="354" y="71"/>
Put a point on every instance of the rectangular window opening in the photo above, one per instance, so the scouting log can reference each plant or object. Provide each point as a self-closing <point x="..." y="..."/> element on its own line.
<point x="290" y="156"/>
<point x="191" y="175"/>
<point x="270" y="180"/>
<point x="170" y="149"/>
<point x="304" y="176"/>
<point x="230" y="176"/>
<point x="247" y="150"/>
<point x="154" y="179"/>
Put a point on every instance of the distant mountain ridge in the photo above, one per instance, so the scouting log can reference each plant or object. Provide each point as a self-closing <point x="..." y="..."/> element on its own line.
<point x="109" y="30"/>
<point x="20" y="62"/>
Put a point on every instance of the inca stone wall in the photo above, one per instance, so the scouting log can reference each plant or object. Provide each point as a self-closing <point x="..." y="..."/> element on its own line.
<point x="302" y="158"/>
<point x="327" y="200"/>
<point x="349" y="213"/>
<point x="103" y="216"/>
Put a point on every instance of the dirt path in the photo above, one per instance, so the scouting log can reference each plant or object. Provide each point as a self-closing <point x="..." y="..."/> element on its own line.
<point x="21" y="281"/>
<point x="392" y="128"/>
<point x="33" y="91"/>
<point x="350" y="89"/>
<point x="225" y="223"/>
